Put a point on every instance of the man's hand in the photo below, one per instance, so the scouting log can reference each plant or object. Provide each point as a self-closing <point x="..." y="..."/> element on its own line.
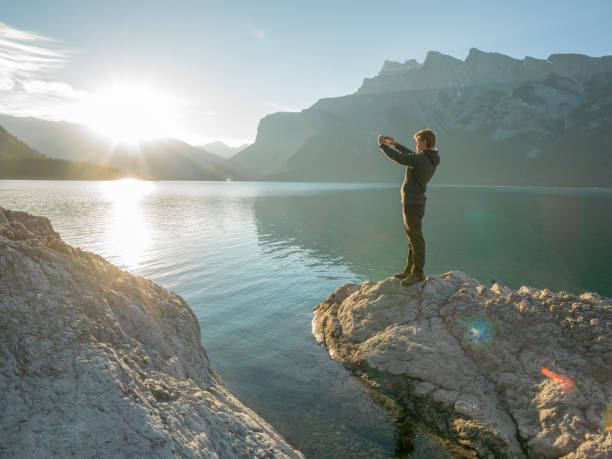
<point x="385" y="140"/>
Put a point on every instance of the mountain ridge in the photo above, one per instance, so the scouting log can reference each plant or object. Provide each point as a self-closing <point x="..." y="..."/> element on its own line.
<point x="501" y="127"/>
<point x="18" y="160"/>
<point x="221" y="149"/>
<point x="479" y="67"/>
<point x="159" y="159"/>
<point x="10" y="145"/>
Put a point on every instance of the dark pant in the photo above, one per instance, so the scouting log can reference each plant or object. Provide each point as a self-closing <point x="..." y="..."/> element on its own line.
<point x="413" y="214"/>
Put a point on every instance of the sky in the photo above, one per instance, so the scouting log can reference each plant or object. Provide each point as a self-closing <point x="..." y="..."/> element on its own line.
<point x="210" y="70"/>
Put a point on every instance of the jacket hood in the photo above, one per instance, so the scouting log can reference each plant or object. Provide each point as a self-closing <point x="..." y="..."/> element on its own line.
<point x="433" y="155"/>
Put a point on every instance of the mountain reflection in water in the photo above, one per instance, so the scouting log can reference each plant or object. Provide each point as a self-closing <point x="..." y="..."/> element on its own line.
<point x="541" y="237"/>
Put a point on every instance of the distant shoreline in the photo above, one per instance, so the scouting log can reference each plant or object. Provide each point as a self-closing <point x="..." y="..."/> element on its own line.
<point x="368" y="184"/>
<point x="524" y="187"/>
<point x="71" y="179"/>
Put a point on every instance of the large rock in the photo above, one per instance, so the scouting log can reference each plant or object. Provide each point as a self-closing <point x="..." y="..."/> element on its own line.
<point x="503" y="373"/>
<point x="96" y="362"/>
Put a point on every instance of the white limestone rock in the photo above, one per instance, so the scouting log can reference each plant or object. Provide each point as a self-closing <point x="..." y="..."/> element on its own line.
<point x="96" y="362"/>
<point x="470" y="361"/>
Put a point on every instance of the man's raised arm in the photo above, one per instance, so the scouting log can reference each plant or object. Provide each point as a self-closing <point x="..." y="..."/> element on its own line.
<point x="404" y="156"/>
<point x="403" y="149"/>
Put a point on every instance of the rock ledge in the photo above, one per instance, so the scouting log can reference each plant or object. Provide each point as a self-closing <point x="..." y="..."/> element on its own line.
<point x="497" y="372"/>
<point x="96" y="362"/>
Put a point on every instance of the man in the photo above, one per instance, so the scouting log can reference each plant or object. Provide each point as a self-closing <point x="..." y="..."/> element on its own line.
<point x="420" y="167"/>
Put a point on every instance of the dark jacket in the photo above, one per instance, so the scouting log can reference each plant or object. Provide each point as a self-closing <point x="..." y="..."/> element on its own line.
<point x="419" y="171"/>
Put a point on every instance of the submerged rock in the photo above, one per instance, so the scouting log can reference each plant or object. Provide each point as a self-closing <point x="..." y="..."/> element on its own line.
<point x="499" y="372"/>
<point x="96" y="362"/>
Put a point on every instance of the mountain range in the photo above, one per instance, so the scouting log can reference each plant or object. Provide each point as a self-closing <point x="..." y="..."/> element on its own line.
<point x="19" y="160"/>
<point x="11" y="146"/>
<point x="221" y="149"/>
<point x="159" y="159"/>
<point x="499" y="120"/>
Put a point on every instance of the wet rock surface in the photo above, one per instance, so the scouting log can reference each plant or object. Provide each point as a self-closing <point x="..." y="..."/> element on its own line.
<point x="96" y="362"/>
<point x="494" y="371"/>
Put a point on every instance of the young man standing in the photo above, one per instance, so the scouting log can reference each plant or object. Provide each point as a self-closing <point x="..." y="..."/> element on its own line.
<point x="420" y="168"/>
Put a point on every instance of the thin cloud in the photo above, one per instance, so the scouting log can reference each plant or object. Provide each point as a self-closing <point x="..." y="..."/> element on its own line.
<point x="26" y="54"/>
<point x="256" y="32"/>
<point x="31" y="85"/>
<point x="20" y="35"/>
<point x="28" y="63"/>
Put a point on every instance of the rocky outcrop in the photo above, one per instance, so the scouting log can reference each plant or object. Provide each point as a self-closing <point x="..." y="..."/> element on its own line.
<point x="96" y="362"/>
<point x="502" y="373"/>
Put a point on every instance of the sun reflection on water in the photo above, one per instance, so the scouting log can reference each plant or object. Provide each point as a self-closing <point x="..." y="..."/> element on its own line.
<point x="127" y="234"/>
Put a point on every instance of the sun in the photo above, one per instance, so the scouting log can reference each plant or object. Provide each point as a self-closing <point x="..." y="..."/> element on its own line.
<point x="131" y="112"/>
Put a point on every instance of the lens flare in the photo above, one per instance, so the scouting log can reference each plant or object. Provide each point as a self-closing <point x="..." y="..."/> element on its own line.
<point x="566" y="384"/>
<point x="479" y="332"/>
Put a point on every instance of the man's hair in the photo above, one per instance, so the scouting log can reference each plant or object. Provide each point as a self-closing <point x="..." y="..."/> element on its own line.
<point x="428" y="136"/>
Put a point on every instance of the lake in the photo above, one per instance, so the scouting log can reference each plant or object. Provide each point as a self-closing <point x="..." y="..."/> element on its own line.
<point x="253" y="259"/>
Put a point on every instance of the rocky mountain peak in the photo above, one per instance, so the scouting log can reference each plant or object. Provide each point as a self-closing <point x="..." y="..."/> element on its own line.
<point x="390" y="67"/>
<point x="575" y="65"/>
<point x="476" y="53"/>
<point x="441" y="61"/>
<point x="479" y="68"/>
<point x="478" y="57"/>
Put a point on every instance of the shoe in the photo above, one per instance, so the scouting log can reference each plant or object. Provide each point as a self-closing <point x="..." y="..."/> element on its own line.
<point x="404" y="273"/>
<point x="411" y="280"/>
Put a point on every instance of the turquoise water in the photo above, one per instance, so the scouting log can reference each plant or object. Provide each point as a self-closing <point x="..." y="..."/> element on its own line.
<point x="253" y="259"/>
